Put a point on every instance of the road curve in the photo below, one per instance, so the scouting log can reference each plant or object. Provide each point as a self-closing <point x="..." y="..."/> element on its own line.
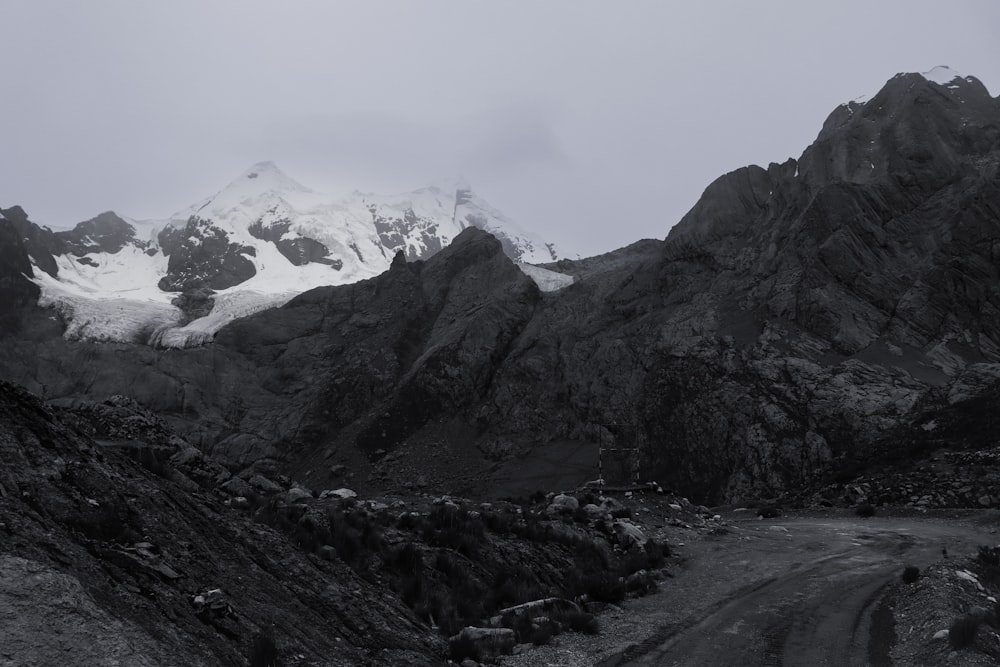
<point x="820" y="604"/>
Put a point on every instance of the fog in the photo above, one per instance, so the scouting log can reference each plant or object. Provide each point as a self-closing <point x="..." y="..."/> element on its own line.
<point x="593" y="123"/>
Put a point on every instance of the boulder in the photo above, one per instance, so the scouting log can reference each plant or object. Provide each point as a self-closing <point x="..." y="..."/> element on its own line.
<point x="297" y="495"/>
<point x="343" y="494"/>
<point x="237" y="487"/>
<point x="264" y="485"/>
<point x="629" y="534"/>
<point x="490" y="641"/>
<point x="563" y="504"/>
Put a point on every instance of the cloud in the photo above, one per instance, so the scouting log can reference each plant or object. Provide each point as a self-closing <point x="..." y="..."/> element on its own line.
<point x="373" y="150"/>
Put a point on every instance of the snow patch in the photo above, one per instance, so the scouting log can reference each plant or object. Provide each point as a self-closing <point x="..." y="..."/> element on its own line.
<point x="941" y="75"/>
<point x="228" y="307"/>
<point x="547" y="281"/>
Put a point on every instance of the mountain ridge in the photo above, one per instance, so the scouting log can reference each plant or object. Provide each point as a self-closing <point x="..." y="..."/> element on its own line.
<point x="795" y="316"/>
<point x="254" y="244"/>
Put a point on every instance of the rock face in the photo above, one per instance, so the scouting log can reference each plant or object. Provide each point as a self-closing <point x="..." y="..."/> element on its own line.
<point x="121" y="566"/>
<point x="202" y="256"/>
<point x="794" y="318"/>
<point x="16" y="290"/>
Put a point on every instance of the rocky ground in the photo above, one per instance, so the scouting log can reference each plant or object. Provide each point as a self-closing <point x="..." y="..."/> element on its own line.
<point x="949" y="615"/>
<point x="125" y="543"/>
<point x="803" y="589"/>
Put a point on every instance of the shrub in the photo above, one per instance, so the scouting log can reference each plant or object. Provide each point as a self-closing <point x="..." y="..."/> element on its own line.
<point x="580" y="621"/>
<point x="865" y="510"/>
<point x="521" y="625"/>
<point x="541" y="635"/>
<point x="264" y="652"/>
<point x="989" y="556"/>
<point x="911" y="574"/>
<point x="768" y="511"/>
<point x="597" y="586"/>
<point x="640" y="583"/>
<point x="963" y="631"/>
<point x="657" y="552"/>
<point x="454" y="529"/>
<point x="497" y="522"/>
<point x="622" y="513"/>
<point x="513" y="585"/>
<point x="463" y="648"/>
<point x="407" y="559"/>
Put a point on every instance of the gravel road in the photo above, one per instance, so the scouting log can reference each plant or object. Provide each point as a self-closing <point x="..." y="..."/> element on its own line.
<point x="804" y="590"/>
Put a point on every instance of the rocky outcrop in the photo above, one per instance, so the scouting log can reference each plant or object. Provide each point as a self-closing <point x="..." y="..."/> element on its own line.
<point x="296" y="249"/>
<point x="16" y="289"/>
<point x="394" y="232"/>
<point x="106" y="233"/>
<point x="201" y="255"/>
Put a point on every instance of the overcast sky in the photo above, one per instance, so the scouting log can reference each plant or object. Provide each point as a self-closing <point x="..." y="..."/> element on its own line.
<point x="593" y="123"/>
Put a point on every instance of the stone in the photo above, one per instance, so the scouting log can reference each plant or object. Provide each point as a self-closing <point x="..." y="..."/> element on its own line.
<point x="239" y="502"/>
<point x="237" y="487"/>
<point x="264" y="485"/>
<point x="186" y="456"/>
<point x="342" y="493"/>
<point x="491" y="641"/>
<point x="297" y="495"/>
<point x="563" y="504"/>
<point x="629" y="534"/>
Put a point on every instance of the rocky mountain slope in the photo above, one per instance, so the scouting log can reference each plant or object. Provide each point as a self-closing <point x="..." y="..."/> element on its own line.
<point x="108" y="561"/>
<point x="253" y="245"/>
<point x="794" y="318"/>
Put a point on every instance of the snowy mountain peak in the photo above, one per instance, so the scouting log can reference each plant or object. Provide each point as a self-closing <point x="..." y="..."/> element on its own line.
<point x="255" y="244"/>
<point x="261" y="189"/>
<point x="941" y="75"/>
<point x="267" y="176"/>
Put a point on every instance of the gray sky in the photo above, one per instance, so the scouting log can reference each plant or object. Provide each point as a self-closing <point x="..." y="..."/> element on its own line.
<point x="593" y="123"/>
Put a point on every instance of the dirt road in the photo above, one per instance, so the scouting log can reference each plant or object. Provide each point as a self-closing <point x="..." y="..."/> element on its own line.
<point x="802" y="590"/>
<point x="815" y="599"/>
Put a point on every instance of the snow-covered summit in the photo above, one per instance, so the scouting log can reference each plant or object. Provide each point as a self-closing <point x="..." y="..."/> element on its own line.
<point x="256" y="243"/>
<point x="941" y="75"/>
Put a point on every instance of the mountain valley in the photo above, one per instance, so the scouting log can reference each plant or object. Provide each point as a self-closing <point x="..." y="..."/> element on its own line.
<point x="240" y="386"/>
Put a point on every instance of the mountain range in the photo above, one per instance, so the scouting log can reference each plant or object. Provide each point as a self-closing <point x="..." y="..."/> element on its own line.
<point x="794" y="323"/>
<point x="253" y="245"/>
